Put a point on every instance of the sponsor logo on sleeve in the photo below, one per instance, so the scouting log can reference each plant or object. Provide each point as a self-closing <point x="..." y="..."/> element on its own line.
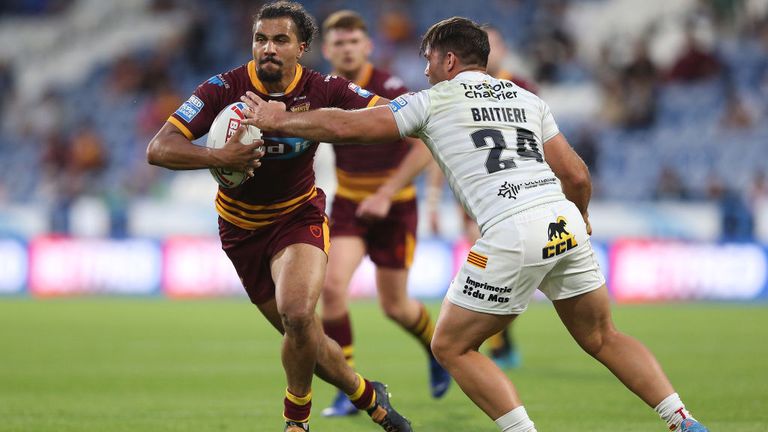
<point x="359" y="90"/>
<point x="397" y="104"/>
<point x="218" y="80"/>
<point x="191" y="108"/>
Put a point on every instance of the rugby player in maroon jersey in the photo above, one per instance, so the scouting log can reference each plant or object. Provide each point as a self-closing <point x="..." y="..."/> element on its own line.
<point x="273" y="227"/>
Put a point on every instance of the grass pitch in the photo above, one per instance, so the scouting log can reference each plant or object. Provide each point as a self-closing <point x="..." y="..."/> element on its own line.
<point x="156" y="365"/>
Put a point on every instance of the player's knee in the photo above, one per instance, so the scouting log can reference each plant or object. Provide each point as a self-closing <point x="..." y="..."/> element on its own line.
<point x="594" y="342"/>
<point x="443" y="350"/>
<point x="297" y="318"/>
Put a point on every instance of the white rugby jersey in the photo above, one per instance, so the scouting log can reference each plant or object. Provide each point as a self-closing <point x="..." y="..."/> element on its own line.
<point x="487" y="135"/>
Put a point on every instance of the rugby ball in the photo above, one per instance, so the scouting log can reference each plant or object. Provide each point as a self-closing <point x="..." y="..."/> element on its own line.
<point x="223" y="127"/>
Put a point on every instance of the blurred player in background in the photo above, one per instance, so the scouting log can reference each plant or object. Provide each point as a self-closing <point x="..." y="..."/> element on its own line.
<point x="502" y="347"/>
<point x="389" y="240"/>
<point x="515" y="173"/>
<point x="273" y="227"/>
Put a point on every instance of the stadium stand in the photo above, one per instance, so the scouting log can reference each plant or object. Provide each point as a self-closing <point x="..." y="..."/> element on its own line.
<point x="135" y="61"/>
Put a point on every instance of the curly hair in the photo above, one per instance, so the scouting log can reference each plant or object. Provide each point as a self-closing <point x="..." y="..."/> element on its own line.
<point x="305" y="24"/>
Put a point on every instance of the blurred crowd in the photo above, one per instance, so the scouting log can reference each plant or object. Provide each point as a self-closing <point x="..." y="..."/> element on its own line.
<point x="89" y="139"/>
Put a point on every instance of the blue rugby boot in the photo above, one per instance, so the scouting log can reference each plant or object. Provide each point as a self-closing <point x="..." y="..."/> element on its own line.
<point x="340" y="407"/>
<point x="439" y="378"/>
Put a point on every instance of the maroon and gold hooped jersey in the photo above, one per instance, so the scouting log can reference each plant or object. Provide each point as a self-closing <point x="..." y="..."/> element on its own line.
<point x="286" y="180"/>
<point x="361" y="169"/>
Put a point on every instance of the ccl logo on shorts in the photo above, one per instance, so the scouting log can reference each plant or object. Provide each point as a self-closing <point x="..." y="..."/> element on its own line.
<point x="560" y="240"/>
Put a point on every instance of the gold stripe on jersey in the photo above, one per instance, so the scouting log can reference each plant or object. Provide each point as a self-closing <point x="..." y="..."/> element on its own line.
<point x="182" y="127"/>
<point x="365" y="78"/>
<point x="357" y="187"/>
<point x="373" y="101"/>
<point x="263" y="90"/>
<point x="252" y="217"/>
<point x="275" y="206"/>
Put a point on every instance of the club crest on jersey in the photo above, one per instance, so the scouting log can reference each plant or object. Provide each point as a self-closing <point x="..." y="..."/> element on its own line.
<point x="190" y="109"/>
<point x="304" y="107"/>
<point x="560" y="240"/>
<point x="359" y="90"/>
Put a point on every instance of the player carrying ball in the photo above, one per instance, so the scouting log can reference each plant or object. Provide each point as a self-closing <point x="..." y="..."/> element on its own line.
<point x="273" y="227"/>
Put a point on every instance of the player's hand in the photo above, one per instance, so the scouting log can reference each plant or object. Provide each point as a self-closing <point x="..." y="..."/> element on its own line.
<point x="260" y="113"/>
<point x="236" y="156"/>
<point x="375" y="207"/>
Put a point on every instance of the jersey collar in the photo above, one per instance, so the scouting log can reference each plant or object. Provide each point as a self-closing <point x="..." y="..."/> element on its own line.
<point x="472" y="75"/>
<point x="365" y="77"/>
<point x="259" y="86"/>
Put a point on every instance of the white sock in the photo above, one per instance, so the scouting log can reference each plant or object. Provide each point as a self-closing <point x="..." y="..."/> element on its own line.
<point x="672" y="410"/>
<point x="515" y="421"/>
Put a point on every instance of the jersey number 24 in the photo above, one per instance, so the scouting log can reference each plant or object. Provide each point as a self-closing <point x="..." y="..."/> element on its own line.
<point x="527" y="148"/>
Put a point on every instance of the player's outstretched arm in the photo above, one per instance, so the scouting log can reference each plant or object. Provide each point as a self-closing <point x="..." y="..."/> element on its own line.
<point x="333" y="125"/>
<point x="170" y="148"/>
<point x="572" y="172"/>
<point x="377" y="205"/>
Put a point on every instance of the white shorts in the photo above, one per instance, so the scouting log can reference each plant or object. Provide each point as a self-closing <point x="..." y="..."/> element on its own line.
<point x="545" y="247"/>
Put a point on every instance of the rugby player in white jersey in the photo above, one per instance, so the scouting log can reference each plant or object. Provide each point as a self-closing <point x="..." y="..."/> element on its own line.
<point x="514" y="172"/>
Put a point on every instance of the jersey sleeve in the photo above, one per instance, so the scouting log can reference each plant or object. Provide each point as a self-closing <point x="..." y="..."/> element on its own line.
<point x="345" y="94"/>
<point x="411" y="111"/>
<point x="195" y="116"/>
<point x="548" y="126"/>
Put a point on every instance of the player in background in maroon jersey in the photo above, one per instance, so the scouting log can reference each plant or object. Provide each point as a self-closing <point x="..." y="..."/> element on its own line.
<point x="390" y="239"/>
<point x="273" y="227"/>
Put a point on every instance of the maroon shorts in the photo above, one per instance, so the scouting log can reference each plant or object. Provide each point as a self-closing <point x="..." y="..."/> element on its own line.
<point x="389" y="242"/>
<point x="251" y="251"/>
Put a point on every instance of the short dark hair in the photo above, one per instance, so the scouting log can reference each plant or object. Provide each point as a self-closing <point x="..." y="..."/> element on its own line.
<point x="305" y="24"/>
<point x="461" y="36"/>
<point x="346" y="20"/>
